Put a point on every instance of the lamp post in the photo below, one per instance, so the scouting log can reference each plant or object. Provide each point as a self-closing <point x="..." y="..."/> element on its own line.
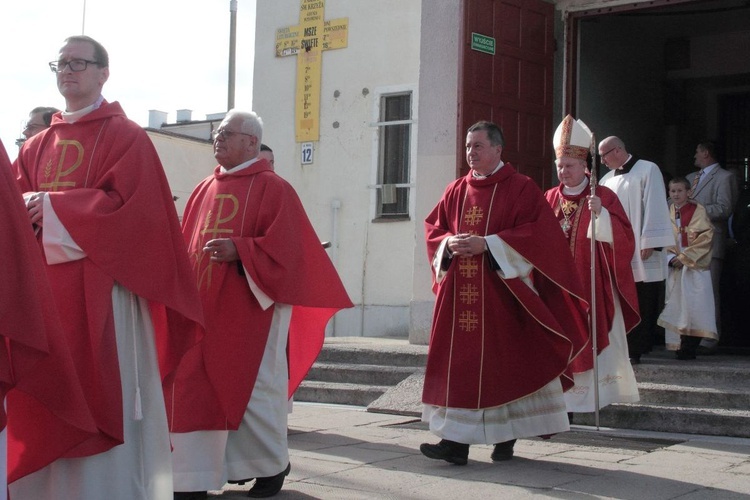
<point x="232" y="52"/>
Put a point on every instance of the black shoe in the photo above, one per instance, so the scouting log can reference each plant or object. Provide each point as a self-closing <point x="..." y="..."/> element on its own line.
<point x="269" y="486"/>
<point x="684" y="355"/>
<point x="503" y="451"/>
<point x="190" y="495"/>
<point x="706" y="351"/>
<point x="635" y="360"/>
<point x="450" y="451"/>
<point x="240" y="482"/>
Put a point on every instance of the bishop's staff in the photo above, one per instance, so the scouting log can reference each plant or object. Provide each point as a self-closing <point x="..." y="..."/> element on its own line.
<point x="592" y="184"/>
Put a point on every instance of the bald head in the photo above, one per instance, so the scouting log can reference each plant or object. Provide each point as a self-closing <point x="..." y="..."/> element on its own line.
<point x="612" y="152"/>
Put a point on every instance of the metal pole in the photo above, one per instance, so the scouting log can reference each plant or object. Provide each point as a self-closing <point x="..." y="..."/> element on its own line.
<point x="83" y="21"/>
<point x="232" y="52"/>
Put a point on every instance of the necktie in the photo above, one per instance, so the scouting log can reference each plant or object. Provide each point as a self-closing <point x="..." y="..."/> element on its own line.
<point x="697" y="179"/>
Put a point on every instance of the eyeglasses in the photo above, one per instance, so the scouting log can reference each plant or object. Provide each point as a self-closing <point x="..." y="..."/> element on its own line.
<point x="32" y="125"/>
<point x="605" y="154"/>
<point x="74" y="65"/>
<point x="226" y="134"/>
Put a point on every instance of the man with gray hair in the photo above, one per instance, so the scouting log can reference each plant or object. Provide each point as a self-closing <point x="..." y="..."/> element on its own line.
<point x="268" y="290"/>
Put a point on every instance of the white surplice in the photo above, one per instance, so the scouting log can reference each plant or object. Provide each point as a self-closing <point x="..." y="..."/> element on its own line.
<point x="644" y="198"/>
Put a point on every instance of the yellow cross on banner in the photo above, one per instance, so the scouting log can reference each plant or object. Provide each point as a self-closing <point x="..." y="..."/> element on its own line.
<point x="307" y="41"/>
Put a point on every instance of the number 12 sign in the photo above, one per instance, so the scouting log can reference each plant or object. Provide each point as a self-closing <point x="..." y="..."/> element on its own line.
<point x="307" y="153"/>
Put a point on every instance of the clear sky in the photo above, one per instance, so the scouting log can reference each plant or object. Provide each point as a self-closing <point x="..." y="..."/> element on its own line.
<point x="164" y="54"/>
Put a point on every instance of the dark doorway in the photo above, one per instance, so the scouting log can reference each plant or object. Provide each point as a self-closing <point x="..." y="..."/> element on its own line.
<point x="663" y="76"/>
<point x="659" y="77"/>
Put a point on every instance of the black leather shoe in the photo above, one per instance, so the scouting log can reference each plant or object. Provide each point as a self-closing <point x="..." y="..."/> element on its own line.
<point x="503" y="451"/>
<point x="450" y="451"/>
<point x="684" y="355"/>
<point x="190" y="495"/>
<point x="269" y="486"/>
<point x="240" y="482"/>
<point x="706" y="351"/>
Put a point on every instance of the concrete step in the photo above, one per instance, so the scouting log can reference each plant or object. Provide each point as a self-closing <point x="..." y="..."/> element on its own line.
<point x="703" y="373"/>
<point x="402" y="354"/>
<point x="718" y="396"/>
<point x="359" y="373"/>
<point x="706" y="396"/>
<point x="339" y="392"/>
<point x="663" y="418"/>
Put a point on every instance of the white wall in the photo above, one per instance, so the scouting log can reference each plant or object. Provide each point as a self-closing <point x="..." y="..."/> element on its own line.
<point x="436" y="165"/>
<point x="375" y="259"/>
<point x="186" y="162"/>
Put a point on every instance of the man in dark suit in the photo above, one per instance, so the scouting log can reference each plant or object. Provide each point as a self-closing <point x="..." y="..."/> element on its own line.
<point x="716" y="189"/>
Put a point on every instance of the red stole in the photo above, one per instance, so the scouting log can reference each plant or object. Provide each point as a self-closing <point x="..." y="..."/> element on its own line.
<point x="613" y="273"/>
<point x="684" y="214"/>
<point x="280" y="251"/>
<point x="495" y="340"/>
<point x="107" y="186"/>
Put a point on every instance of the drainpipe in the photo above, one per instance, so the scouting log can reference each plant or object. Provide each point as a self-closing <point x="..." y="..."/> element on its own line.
<point x="335" y="208"/>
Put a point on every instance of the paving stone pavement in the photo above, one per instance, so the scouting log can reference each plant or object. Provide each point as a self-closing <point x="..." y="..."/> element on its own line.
<point x="344" y="452"/>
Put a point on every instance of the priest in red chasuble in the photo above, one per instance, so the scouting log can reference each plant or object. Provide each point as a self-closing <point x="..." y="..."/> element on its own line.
<point x="106" y="224"/>
<point x="616" y="300"/>
<point x="268" y="290"/>
<point x="47" y="414"/>
<point x="510" y="314"/>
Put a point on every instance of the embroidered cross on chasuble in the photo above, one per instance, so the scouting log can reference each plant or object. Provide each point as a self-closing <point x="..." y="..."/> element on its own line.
<point x="469" y="303"/>
<point x="495" y="319"/>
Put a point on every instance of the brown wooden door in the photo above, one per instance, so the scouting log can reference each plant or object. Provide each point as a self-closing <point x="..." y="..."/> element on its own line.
<point x="513" y="87"/>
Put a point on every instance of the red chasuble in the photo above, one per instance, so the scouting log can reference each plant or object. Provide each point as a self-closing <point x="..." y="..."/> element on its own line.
<point x="612" y="269"/>
<point x="496" y="340"/>
<point x="47" y="412"/>
<point x="281" y="253"/>
<point x="107" y="186"/>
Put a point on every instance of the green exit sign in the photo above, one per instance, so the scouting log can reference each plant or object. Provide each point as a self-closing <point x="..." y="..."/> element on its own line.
<point x="483" y="43"/>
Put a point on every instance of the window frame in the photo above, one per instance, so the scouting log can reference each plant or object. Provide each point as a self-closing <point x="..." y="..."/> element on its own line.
<point x="376" y="186"/>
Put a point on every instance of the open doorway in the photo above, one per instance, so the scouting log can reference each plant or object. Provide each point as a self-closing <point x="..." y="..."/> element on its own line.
<point x="663" y="76"/>
<point x="666" y="77"/>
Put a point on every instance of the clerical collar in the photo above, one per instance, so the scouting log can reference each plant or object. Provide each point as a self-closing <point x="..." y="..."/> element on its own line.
<point x="626" y="167"/>
<point x="576" y="190"/>
<point x="239" y="167"/>
<point x="477" y="175"/>
<point x="74" y="116"/>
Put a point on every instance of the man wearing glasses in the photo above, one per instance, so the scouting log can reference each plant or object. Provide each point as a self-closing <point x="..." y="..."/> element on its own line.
<point x="268" y="290"/>
<point x="98" y="198"/>
<point x="39" y="119"/>
<point x="639" y="185"/>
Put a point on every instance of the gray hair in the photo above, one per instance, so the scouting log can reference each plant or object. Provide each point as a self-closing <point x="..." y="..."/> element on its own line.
<point x="251" y="122"/>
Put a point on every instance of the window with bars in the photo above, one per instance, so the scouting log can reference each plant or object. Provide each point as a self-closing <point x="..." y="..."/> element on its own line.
<point x="394" y="156"/>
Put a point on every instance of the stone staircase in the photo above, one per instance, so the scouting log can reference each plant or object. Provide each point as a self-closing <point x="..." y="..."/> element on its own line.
<point x="357" y="371"/>
<point x="709" y="396"/>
